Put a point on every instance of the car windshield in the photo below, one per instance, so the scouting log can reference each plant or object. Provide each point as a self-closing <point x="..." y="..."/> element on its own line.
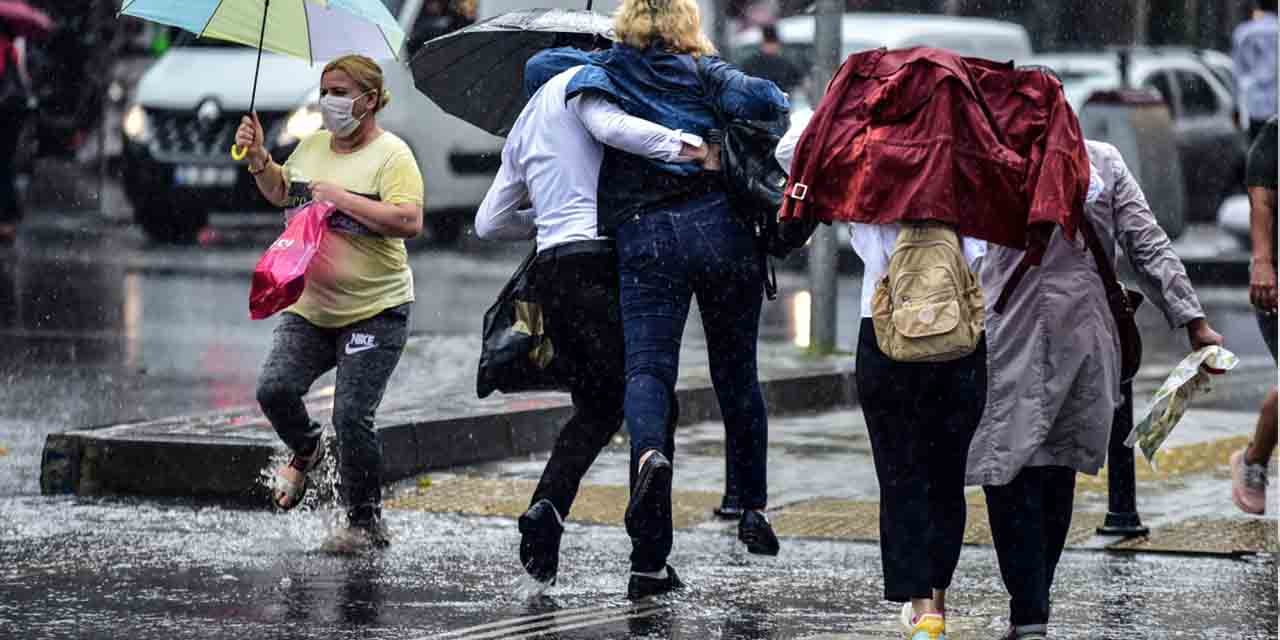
<point x="800" y="53"/>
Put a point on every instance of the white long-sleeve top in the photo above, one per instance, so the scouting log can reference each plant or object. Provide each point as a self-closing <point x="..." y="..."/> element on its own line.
<point x="872" y="242"/>
<point x="552" y="159"/>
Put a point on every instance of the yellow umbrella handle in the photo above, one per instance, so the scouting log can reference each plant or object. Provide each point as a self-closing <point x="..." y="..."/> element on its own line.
<point x="238" y="152"/>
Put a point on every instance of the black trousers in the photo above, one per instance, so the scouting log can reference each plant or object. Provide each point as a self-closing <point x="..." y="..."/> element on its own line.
<point x="577" y="286"/>
<point x="920" y="417"/>
<point x="1030" y="518"/>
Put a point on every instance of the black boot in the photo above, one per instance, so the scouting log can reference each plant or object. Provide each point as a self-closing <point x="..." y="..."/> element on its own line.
<point x="643" y="586"/>
<point x="540" y="532"/>
<point x="755" y="531"/>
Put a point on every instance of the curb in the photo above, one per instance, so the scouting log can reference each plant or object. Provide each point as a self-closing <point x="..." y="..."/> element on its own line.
<point x="113" y="461"/>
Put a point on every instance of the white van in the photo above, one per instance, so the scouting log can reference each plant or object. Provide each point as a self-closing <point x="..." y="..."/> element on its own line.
<point x="181" y="125"/>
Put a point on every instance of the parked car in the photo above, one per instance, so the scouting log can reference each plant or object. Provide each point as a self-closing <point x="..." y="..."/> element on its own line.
<point x="980" y="37"/>
<point x="179" y="131"/>
<point x="1210" y="143"/>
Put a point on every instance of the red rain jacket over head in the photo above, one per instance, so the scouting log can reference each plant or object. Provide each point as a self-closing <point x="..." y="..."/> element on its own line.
<point x="924" y="134"/>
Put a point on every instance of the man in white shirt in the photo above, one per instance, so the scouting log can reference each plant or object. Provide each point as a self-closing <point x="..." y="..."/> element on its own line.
<point x="552" y="159"/>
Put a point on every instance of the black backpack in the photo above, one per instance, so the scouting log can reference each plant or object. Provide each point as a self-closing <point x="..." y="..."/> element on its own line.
<point x="754" y="182"/>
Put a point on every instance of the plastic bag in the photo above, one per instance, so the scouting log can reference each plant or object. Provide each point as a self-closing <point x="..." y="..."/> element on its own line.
<point x="515" y="352"/>
<point x="1188" y="380"/>
<point x="280" y="276"/>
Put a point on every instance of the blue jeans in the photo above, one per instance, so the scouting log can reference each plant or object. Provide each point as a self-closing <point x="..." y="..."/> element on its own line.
<point x="666" y="257"/>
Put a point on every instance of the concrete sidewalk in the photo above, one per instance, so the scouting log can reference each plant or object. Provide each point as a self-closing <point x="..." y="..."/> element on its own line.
<point x="822" y="483"/>
<point x="424" y="425"/>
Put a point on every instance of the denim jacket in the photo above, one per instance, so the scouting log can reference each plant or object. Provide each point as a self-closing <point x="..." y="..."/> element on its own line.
<point x="667" y="89"/>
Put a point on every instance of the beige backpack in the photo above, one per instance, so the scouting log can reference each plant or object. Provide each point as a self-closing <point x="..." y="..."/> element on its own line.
<point x="928" y="307"/>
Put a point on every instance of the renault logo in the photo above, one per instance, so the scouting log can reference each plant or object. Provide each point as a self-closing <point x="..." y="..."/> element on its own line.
<point x="208" y="112"/>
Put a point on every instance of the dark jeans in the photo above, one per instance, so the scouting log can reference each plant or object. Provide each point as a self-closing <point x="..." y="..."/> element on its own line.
<point x="10" y="209"/>
<point x="920" y="417"/>
<point x="1030" y="518"/>
<point x="365" y="353"/>
<point x="667" y="257"/>
<point x="579" y="297"/>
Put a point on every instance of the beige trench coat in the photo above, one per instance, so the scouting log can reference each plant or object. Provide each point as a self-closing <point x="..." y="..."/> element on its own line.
<point x="1053" y="358"/>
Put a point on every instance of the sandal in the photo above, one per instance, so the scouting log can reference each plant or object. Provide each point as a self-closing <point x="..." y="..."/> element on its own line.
<point x="296" y="491"/>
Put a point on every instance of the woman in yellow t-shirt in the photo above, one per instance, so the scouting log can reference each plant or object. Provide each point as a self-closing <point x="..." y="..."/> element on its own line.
<point x="354" y="312"/>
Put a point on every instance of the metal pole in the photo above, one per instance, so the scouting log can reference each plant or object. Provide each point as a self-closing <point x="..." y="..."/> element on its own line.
<point x="1141" y="21"/>
<point x="1122" y="487"/>
<point x="823" y="248"/>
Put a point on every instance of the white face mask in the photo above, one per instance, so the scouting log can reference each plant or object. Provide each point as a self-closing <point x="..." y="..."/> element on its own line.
<point x="336" y="111"/>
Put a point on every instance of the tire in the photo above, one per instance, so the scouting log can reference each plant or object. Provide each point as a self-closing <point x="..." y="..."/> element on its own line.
<point x="170" y="225"/>
<point x="444" y="229"/>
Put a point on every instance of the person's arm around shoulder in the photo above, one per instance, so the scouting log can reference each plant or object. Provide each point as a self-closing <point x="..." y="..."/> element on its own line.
<point x="268" y="175"/>
<point x="1159" y="269"/>
<point x="612" y="126"/>
<point x="398" y="211"/>
<point x="741" y="95"/>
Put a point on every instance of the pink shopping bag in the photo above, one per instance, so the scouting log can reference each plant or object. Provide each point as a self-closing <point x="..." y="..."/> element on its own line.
<point x="280" y="276"/>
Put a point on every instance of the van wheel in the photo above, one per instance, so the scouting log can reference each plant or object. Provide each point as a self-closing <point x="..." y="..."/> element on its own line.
<point x="444" y="228"/>
<point x="170" y="225"/>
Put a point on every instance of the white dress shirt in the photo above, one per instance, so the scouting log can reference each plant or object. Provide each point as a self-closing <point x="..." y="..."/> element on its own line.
<point x="552" y="159"/>
<point x="872" y="242"/>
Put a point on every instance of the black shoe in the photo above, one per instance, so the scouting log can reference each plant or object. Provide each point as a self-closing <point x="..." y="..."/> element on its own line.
<point x="540" y="531"/>
<point x="729" y="509"/>
<point x="643" y="586"/>
<point x="650" y="506"/>
<point x="755" y="531"/>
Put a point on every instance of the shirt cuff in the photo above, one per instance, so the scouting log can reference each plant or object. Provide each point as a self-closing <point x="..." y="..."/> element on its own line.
<point x="676" y="143"/>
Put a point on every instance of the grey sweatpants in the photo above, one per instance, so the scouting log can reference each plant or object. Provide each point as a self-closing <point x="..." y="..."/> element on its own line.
<point x="365" y="353"/>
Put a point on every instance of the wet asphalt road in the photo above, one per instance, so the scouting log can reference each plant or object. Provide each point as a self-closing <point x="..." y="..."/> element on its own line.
<point x="105" y="569"/>
<point x="96" y="326"/>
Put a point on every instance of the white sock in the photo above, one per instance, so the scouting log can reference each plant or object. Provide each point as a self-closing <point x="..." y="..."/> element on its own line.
<point x="656" y="575"/>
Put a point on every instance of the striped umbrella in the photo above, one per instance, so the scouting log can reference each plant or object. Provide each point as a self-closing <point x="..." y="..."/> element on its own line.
<point x="308" y="29"/>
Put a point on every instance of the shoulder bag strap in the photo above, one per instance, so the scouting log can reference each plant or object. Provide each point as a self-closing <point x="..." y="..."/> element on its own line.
<point x="1107" y="271"/>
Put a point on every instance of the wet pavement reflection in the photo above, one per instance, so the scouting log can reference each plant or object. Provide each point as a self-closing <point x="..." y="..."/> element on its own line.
<point x="97" y="327"/>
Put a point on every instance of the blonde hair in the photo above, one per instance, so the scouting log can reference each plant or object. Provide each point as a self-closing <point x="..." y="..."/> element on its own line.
<point x="676" y="24"/>
<point x="365" y="73"/>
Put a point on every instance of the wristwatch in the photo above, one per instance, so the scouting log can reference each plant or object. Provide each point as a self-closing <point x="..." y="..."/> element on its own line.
<point x="264" y="167"/>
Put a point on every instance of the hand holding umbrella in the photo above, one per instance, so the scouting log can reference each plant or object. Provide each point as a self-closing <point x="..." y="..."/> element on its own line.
<point x="250" y="138"/>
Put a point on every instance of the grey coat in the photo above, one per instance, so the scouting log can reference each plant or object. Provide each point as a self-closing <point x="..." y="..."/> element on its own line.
<point x="1053" y="362"/>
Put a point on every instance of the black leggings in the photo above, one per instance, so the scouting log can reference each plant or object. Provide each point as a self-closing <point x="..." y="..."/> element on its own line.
<point x="1030" y="518"/>
<point x="921" y="417"/>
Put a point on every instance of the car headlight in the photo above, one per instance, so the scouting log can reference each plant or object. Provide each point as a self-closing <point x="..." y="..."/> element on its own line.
<point x="136" y="124"/>
<point x="301" y="123"/>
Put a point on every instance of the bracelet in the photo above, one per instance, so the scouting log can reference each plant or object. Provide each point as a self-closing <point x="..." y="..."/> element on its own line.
<point x="259" y="171"/>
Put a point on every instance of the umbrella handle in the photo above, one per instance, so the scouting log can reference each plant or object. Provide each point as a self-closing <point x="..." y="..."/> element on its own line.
<point x="238" y="152"/>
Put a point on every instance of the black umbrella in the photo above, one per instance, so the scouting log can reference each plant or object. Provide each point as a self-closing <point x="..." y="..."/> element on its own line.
<point x="477" y="73"/>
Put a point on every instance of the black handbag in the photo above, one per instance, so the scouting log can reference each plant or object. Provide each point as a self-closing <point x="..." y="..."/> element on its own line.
<point x="1124" y="303"/>
<point x="515" y="353"/>
<point x="754" y="182"/>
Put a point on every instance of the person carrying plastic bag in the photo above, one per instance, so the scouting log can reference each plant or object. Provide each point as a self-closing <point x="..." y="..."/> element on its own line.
<point x="354" y="310"/>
